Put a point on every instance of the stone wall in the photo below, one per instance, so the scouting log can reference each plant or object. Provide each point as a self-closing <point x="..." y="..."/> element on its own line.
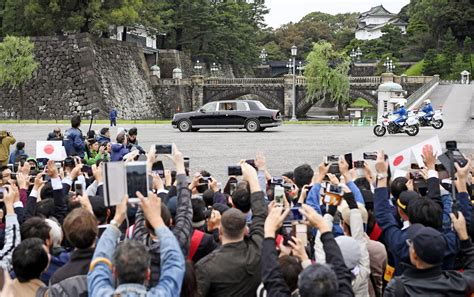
<point x="57" y="87"/>
<point x="78" y="73"/>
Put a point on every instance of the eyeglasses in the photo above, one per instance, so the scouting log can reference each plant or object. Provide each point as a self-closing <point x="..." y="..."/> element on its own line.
<point x="409" y="242"/>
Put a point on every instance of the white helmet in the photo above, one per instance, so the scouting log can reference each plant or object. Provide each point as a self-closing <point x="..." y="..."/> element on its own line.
<point x="427" y="101"/>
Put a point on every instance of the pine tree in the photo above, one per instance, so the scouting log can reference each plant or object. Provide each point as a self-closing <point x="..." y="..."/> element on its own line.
<point x="430" y="64"/>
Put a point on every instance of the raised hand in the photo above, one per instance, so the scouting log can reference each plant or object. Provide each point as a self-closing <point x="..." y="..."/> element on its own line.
<point x="274" y="220"/>
<point x="152" y="209"/>
<point x="314" y="218"/>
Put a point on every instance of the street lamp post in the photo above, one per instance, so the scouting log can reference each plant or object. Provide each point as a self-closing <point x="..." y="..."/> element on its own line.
<point x="198" y="67"/>
<point x="214" y="69"/>
<point x="358" y="54"/>
<point x="389" y="65"/>
<point x="294" y="51"/>
<point x="263" y="56"/>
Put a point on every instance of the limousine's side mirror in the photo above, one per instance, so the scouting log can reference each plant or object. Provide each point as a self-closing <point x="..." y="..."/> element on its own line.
<point x="202" y="110"/>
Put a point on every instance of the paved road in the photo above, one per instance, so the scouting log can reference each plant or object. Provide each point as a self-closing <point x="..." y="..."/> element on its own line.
<point x="291" y="145"/>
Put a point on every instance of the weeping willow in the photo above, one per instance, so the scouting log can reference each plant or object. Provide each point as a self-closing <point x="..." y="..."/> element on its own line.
<point x="326" y="74"/>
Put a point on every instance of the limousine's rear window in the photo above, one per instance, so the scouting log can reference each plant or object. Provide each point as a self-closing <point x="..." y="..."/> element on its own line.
<point x="260" y="105"/>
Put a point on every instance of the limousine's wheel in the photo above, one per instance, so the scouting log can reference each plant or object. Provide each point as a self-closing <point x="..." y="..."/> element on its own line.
<point x="184" y="126"/>
<point x="252" y="125"/>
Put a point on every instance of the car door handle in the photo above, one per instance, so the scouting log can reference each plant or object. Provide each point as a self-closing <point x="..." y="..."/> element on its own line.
<point x="226" y="115"/>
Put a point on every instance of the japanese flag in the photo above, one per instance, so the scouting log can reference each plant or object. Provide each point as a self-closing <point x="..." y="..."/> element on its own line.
<point x="52" y="150"/>
<point x="400" y="160"/>
<point x="418" y="149"/>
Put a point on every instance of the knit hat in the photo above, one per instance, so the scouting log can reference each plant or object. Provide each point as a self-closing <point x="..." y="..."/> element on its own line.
<point x="350" y="250"/>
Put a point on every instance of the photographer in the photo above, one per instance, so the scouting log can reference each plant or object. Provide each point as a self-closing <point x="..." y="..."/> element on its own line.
<point x="133" y="142"/>
<point x="6" y="139"/>
<point x="74" y="140"/>
<point x="55" y="135"/>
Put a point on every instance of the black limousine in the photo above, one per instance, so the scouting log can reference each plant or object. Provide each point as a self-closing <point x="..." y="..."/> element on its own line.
<point x="236" y="114"/>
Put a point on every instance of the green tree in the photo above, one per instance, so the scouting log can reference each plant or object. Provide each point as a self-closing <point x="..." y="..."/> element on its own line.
<point x="468" y="51"/>
<point x="450" y="50"/>
<point x="326" y="73"/>
<point x="459" y="65"/>
<point x="393" y="39"/>
<point x="430" y="63"/>
<point x="17" y="64"/>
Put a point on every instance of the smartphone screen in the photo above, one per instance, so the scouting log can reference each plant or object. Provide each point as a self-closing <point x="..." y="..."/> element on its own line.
<point x="158" y="168"/>
<point x="234" y="170"/>
<point x="279" y="195"/>
<point x="348" y="158"/>
<point x="232" y="187"/>
<point x="370" y="156"/>
<point x="137" y="180"/>
<point x="78" y="189"/>
<point x="164" y="149"/>
<point x="186" y="162"/>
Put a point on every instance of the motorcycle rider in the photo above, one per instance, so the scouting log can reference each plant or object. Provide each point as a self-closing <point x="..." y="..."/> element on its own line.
<point x="428" y="110"/>
<point x="402" y="114"/>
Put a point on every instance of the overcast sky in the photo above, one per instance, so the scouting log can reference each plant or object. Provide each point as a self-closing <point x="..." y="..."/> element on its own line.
<point x="285" y="11"/>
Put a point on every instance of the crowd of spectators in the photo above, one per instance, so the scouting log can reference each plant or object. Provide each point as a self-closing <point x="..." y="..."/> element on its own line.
<point x="345" y="232"/>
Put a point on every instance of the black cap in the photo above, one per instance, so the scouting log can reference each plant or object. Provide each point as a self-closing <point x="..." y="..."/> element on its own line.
<point x="405" y="198"/>
<point x="429" y="244"/>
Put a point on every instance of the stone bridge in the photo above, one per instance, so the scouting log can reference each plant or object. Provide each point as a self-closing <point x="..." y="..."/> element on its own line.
<point x="276" y="93"/>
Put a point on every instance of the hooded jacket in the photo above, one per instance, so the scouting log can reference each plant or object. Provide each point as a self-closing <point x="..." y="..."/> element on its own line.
<point x="118" y="151"/>
<point x="74" y="142"/>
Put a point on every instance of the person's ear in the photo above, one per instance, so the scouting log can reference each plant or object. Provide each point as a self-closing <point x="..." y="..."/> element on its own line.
<point x="171" y="222"/>
<point x="107" y="214"/>
<point x="114" y="272"/>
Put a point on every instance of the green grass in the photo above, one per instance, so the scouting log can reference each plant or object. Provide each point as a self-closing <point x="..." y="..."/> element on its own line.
<point x="361" y="103"/>
<point x="415" y="70"/>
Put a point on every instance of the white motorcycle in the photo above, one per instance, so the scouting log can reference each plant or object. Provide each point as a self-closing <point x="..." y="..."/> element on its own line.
<point x="436" y="120"/>
<point x="387" y="123"/>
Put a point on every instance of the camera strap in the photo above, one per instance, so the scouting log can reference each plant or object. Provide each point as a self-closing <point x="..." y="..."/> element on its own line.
<point x="195" y="242"/>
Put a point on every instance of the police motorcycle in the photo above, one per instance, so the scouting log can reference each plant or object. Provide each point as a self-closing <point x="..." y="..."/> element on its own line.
<point x="436" y="120"/>
<point x="387" y="123"/>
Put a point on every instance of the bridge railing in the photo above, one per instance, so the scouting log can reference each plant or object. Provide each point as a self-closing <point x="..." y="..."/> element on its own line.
<point x="421" y="91"/>
<point x="412" y="79"/>
<point x="243" y="81"/>
<point x="365" y="80"/>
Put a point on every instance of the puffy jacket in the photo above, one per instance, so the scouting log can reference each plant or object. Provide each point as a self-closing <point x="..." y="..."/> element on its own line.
<point x="103" y="139"/>
<point x="434" y="281"/>
<point x="427" y="109"/>
<point x="74" y="142"/>
<point x="118" y="151"/>
<point x="6" y="140"/>
<point x="402" y="112"/>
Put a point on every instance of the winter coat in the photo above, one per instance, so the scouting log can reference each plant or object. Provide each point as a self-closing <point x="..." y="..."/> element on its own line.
<point x="118" y="151"/>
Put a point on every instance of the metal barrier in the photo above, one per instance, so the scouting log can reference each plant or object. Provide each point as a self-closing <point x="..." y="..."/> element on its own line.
<point x="418" y="93"/>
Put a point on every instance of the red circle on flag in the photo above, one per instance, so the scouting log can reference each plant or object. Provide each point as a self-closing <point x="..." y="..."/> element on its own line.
<point x="49" y="149"/>
<point x="398" y="160"/>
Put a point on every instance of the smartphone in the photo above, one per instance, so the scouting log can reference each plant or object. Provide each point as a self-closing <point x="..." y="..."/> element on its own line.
<point x="186" y="162"/>
<point x="370" y="156"/>
<point x="232" y="187"/>
<point x="78" y="188"/>
<point x="2" y="190"/>
<point x="11" y="167"/>
<point x="158" y="168"/>
<point x="294" y="215"/>
<point x="137" y="180"/>
<point x="301" y="232"/>
<point x="334" y="189"/>
<point x="58" y="165"/>
<point x="276" y="180"/>
<point x="279" y="195"/>
<point x="451" y="145"/>
<point x="164" y="149"/>
<point x="234" y="170"/>
<point x="415" y="166"/>
<point x="251" y="163"/>
<point x="348" y="158"/>
<point x="331" y="159"/>
<point x="359" y="164"/>
<point x="334" y="169"/>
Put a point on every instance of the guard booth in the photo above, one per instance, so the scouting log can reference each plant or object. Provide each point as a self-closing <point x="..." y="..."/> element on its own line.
<point x="389" y="94"/>
<point x="465" y="75"/>
<point x="355" y="113"/>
